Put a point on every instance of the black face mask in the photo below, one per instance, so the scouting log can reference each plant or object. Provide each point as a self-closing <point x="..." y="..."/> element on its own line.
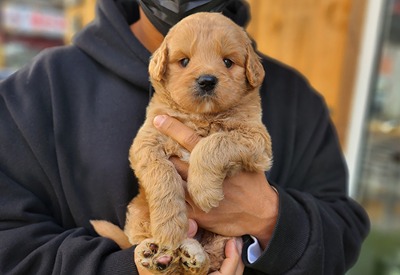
<point x="163" y="14"/>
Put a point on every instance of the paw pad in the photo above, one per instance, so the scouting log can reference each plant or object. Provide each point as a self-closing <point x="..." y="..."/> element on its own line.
<point x="163" y="262"/>
<point x="152" y="257"/>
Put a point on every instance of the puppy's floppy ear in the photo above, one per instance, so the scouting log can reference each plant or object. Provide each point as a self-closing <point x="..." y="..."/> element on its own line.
<point x="254" y="70"/>
<point x="158" y="62"/>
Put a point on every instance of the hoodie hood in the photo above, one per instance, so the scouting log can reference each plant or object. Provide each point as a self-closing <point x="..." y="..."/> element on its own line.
<point x="109" y="40"/>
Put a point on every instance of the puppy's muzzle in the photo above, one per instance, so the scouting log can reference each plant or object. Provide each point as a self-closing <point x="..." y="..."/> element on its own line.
<point x="206" y="84"/>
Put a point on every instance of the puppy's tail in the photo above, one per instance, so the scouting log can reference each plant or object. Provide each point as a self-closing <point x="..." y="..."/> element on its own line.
<point x="111" y="231"/>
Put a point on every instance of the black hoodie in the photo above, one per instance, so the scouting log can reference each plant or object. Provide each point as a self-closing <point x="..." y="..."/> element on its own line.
<point x="67" y="121"/>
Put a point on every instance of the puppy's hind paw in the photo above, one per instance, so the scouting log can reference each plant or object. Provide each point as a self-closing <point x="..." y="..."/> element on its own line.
<point x="194" y="259"/>
<point x="156" y="258"/>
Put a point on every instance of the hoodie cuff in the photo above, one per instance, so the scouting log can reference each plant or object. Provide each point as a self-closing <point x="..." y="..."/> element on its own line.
<point x="289" y="240"/>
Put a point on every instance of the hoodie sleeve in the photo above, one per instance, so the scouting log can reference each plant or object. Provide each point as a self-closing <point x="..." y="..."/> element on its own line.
<point x="37" y="234"/>
<point x="320" y="229"/>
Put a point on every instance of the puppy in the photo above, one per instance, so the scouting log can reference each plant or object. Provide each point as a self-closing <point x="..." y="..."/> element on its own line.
<point x="207" y="75"/>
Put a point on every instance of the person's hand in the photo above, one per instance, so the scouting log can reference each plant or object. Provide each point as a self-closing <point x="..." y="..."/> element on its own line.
<point x="250" y="205"/>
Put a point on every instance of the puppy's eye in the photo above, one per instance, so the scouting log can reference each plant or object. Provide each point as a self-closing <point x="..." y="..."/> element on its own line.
<point x="184" y="62"/>
<point x="228" y="63"/>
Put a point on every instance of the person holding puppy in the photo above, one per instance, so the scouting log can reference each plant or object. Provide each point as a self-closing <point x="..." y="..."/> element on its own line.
<point x="67" y="121"/>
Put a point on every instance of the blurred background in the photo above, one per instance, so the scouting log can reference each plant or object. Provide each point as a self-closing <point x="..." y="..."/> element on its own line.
<point x="348" y="49"/>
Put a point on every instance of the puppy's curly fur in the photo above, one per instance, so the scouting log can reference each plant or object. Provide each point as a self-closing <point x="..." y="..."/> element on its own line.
<point x="207" y="75"/>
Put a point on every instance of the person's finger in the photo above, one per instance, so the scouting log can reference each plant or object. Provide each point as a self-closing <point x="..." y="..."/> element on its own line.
<point x="192" y="228"/>
<point x="233" y="248"/>
<point x="181" y="167"/>
<point x="240" y="266"/>
<point x="175" y="129"/>
<point x="232" y="263"/>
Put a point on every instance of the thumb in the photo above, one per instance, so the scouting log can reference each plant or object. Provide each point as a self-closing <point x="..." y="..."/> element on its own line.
<point x="233" y="263"/>
<point x="176" y="130"/>
<point x="233" y="248"/>
<point x="192" y="228"/>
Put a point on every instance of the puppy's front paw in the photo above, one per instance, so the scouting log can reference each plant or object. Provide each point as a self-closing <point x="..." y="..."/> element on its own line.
<point x="205" y="197"/>
<point x="157" y="258"/>
<point x="194" y="259"/>
<point x="206" y="173"/>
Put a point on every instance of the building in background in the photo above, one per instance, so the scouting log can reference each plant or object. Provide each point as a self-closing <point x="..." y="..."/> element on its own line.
<point x="321" y="39"/>
<point x="78" y="13"/>
<point x="376" y="169"/>
<point x="27" y="27"/>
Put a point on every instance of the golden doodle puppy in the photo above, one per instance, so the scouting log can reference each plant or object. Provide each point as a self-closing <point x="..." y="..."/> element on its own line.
<point x="206" y="74"/>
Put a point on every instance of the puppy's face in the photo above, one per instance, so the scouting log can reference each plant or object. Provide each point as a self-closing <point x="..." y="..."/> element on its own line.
<point x="206" y="64"/>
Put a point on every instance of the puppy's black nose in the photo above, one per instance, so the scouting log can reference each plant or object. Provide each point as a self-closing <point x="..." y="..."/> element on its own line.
<point x="207" y="83"/>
